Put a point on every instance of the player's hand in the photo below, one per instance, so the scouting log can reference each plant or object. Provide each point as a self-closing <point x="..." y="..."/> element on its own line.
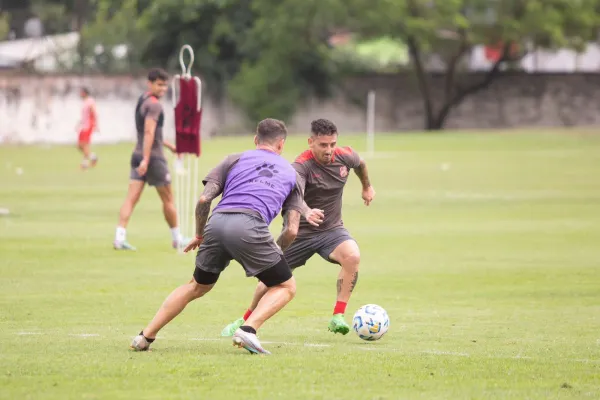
<point x="142" y="168"/>
<point x="314" y="216"/>
<point x="194" y="244"/>
<point x="368" y="195"/>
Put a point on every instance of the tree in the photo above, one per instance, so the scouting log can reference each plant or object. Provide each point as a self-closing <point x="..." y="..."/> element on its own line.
<point x="114" y="39"/>
<point x="292" y="58"/>
<point x="267" y="56"/>
<point x="215" y="29"/>
<point x="451" y="28"/>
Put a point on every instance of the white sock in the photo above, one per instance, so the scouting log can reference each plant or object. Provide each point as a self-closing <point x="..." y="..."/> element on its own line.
<point x="93" y="157"/>
<point x="175" y="235"/>
<point x="121" y="234"/>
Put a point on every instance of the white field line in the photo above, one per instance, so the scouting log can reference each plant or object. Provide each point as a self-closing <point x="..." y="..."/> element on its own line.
<point x="84" y="334"/>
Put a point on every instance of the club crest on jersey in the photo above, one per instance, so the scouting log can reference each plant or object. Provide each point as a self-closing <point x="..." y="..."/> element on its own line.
<point x="343" y="171"/>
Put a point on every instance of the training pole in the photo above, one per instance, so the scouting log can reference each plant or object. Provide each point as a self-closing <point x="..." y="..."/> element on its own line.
<point x="371" y="123"/>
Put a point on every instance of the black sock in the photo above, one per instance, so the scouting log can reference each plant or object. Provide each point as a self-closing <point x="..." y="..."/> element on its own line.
<point x="147" y="339"/>
<point x="248" y="329"/>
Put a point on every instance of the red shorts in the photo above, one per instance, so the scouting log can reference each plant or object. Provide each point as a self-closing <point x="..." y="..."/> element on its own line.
<point x="85" y="135"/>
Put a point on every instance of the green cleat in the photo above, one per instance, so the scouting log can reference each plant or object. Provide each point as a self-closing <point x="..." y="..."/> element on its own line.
<point x="230" y="329"/>
<point x="123" y="246"/>
<point x="337" y="324"/>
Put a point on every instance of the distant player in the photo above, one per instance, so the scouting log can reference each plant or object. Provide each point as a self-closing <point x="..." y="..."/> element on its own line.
<point x="148" y="163"/>
<point x="86" y="127"/>
<point x="256" y="184"/>
<point x="324" y="171"/>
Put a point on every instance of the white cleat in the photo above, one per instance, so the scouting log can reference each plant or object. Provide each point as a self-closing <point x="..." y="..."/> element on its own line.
<point x="140" y="343"/>
<point x="248" y="341"/>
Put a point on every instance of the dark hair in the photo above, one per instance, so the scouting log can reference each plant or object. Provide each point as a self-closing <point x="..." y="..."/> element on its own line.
<point x="323" y="127"/>
<point x="269" y="130"/>
<point x="156" y="74"/>
<point x="85" y="90"/>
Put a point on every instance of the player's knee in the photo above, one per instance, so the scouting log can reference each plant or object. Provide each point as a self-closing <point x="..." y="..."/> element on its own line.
<point x="351" y="261"/>
<point x="290" y="287"/>
<point x="199" y="290"/>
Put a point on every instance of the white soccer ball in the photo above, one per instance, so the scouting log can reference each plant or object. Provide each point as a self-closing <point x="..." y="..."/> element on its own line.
<point x="371" y="322"/>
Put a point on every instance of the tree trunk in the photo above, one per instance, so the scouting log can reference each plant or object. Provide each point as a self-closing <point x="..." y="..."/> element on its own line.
<point x="423" y="80"/>
<point x="435" y="120"/>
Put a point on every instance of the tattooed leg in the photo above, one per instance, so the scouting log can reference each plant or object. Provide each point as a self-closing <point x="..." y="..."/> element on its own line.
<point x="348" y="255"/>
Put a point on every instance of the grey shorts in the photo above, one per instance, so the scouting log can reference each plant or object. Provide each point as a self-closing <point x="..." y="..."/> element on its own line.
<point x="241" y="237"/>
<point x="157" y="173"/>
<point x="323" y="243"/>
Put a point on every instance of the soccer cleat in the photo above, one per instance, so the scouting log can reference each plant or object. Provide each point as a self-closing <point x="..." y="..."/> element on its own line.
<point x="337" y="324"/>
<point x="248" y="341"/>
<point x="230" y="329"/>
<point x="140" y="343"/>
<point x="123" y="246"/>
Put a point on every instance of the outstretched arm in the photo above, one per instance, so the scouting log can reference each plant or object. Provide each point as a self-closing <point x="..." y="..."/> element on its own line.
<point x="368" y="193"/>
<point x="291" y="223"/>
<point x="211" y="190"/>
<point x="169" y="146"/>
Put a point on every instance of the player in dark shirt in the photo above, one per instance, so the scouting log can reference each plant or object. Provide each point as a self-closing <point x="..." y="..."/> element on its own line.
<point x="148" y="162"/>
<point x="324" y="170"/>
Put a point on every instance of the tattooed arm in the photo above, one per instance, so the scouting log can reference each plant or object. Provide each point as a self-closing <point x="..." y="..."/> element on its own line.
<point x="368" y="193"/>
<point x="211" y="190"/>
<point x="291" y="222"/>
<point x="363" y="174"/>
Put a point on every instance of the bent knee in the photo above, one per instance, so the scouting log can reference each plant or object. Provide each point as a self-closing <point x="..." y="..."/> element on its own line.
<point x="290" y="287"/>
<point x="199" y="290"/>
<point x="351" y="261"/>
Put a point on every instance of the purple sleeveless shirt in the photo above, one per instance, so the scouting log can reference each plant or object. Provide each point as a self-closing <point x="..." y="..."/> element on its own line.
<point x="259" y="181"/>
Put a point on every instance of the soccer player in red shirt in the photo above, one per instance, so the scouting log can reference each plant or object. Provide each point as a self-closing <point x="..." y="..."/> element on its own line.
<point x="87" y="125"/>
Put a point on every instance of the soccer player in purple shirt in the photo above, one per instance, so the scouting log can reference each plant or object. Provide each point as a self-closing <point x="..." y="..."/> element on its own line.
<point x="256" y="185"/>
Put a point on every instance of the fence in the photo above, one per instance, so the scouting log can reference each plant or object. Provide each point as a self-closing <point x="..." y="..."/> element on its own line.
<point x="47" y="108"/>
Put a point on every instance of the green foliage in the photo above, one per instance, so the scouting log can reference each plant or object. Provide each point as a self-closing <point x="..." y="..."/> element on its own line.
<point x="265" y="89"/>
<point x="56" y="17"/>
<point x="4" y="25"/>
<point x="216" y="31"/>
<point x="113" y="27"/>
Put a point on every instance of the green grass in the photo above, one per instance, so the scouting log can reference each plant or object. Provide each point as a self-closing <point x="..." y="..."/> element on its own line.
<point x="489" y="268"/>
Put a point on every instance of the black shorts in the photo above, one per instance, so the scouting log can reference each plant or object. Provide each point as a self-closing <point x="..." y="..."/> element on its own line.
<point x="157" y="173"/>
<point x="323" y="243"/>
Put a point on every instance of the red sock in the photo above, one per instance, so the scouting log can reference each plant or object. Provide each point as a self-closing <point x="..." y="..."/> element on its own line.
<point x="247" y="315"/>
<point x="340" y="307"/>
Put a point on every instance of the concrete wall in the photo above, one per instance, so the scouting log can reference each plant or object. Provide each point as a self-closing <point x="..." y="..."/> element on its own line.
<point x="46" y="109"/>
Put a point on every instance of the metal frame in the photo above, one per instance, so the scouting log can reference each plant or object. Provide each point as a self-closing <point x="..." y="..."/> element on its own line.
<point x="186" y="165"/>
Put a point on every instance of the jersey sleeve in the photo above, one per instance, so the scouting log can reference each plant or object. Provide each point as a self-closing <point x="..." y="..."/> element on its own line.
<point x="296" y="197"/>
<point x="348" y="156"/>
<point x="219" y="173"/>
<point x="153" y="109"/>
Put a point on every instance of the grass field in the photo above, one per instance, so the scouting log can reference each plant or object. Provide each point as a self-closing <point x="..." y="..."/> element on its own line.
<point x="483" y="248"/>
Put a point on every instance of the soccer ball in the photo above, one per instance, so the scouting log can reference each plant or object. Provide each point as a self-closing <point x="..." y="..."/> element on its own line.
<point x="371" y="322"/>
